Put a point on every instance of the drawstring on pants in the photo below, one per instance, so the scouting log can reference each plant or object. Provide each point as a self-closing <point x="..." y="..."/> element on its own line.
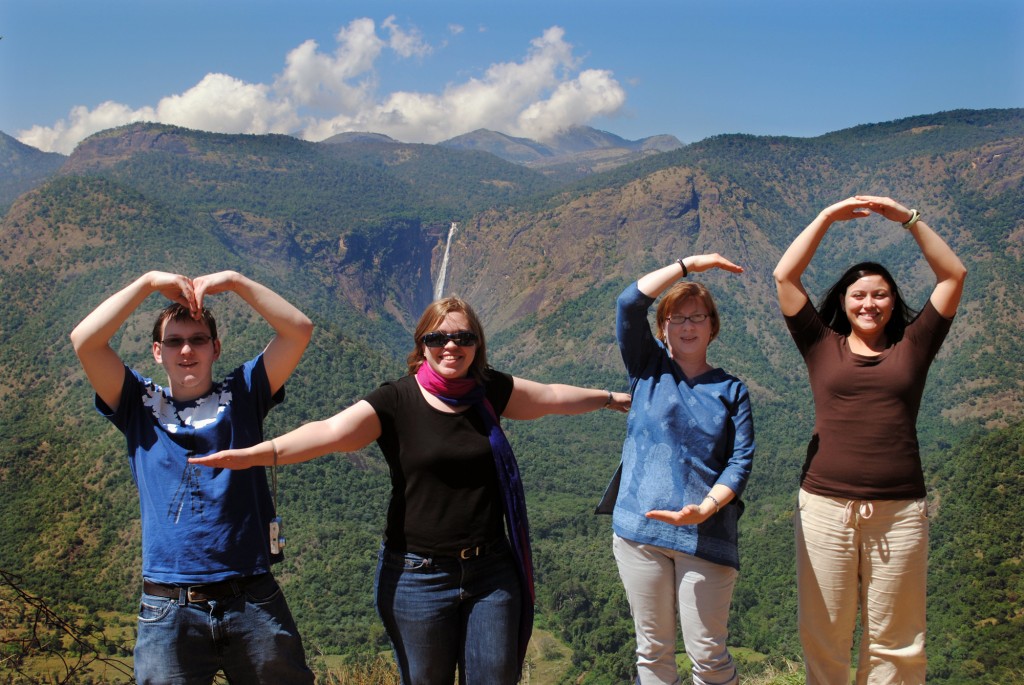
<point x="862" y="510"/>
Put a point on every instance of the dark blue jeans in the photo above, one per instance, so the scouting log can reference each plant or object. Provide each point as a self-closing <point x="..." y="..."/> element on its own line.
<point x="251" y="637"/>
<point x="443" y="612"/>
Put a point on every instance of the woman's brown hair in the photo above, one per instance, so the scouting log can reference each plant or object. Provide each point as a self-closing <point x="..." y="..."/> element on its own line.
<point x="682" y="291"/>
<point x="432" y="317"/>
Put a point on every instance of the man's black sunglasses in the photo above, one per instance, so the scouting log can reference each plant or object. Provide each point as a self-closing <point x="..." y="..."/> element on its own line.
<point x="197" y="340"/>
<point x="460" y="338"/>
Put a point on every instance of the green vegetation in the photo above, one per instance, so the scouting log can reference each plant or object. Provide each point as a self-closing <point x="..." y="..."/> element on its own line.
<point x="353" y="235"/>
<point x="23" y="168"/>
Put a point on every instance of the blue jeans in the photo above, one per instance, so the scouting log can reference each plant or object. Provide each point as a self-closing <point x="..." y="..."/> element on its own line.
<point x="443" y="612"/>
<point x="252" y="638"/>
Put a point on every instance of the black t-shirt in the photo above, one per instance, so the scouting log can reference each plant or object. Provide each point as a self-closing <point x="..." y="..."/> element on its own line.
<point x="444" y="486"/>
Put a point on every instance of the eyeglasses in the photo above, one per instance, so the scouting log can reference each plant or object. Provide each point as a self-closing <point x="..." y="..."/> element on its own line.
<point x="694" y="318"/>
<point x="460" y="338"/>
<point x="197" y="340"/>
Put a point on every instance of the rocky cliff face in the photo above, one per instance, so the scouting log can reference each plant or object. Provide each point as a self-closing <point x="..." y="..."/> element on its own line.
<point x="107" y="148"/>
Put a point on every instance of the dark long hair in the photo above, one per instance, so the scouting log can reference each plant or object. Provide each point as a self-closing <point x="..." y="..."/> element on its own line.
<point x="833" y="313"/>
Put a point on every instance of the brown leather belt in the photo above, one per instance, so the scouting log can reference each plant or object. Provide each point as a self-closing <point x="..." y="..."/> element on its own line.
<point x="474" y="551"/>
<point x="195" y="594"/>
<point x="465" y="553"/>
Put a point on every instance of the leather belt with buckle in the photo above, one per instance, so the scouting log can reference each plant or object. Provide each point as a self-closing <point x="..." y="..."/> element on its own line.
<point x="480" y="550"/>
<point x="463" y="554"/>
<point x="471" y="552"/>
<point x="195" y="594"/>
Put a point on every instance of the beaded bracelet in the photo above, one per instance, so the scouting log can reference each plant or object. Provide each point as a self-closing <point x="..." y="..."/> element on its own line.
<point x="914" y="216"/>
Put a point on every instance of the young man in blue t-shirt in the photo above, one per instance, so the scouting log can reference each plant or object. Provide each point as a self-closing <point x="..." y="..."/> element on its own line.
<point x="209" y="601"/>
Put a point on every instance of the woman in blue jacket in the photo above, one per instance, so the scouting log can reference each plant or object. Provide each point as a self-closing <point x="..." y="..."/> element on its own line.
<point x="685" y="461"/>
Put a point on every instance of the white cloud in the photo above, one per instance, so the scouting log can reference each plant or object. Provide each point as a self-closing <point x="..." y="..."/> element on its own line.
<point x="81" y="123"/>
<point x="534" y="98"/>
<point x="405" y="43"/>
<point x="593" y="92"/>
<point x="320" y="94"/>
<point x="223" y="104"/>
<point x="341" y="82"/>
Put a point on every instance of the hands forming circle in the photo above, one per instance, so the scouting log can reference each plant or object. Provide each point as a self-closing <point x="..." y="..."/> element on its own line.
<point x="860" y="206"/>
<point x="190" y="292"/>
<point x="887" y="207"/>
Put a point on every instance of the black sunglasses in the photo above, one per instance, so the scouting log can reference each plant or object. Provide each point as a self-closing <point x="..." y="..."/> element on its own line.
<point x="460" y="338"/>
<point x="197" y="340"/>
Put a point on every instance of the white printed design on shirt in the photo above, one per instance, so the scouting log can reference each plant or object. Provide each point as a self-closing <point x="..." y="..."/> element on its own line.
<point x="204" y="412"/>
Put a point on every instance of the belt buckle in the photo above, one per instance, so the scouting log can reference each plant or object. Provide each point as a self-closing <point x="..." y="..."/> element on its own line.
<point x="469" y="552"/>
<point x="193" y="595"/>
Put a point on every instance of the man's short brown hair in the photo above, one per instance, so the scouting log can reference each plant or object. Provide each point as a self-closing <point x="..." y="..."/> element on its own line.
<point x="179" y="312"/>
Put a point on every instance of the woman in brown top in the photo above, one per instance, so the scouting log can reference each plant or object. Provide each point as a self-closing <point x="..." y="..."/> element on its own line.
<point x="861" y="524"/>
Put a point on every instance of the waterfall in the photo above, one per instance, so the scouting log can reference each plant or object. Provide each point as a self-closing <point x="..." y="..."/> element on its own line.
<point x="439" y="286"/>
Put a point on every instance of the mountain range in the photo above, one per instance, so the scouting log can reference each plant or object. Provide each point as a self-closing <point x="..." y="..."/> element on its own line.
<point x="23" y="167"/>
<point x="354" y="230"/>
<point x="577" y="151"/>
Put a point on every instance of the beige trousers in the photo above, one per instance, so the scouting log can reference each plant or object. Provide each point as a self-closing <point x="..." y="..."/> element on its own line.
<point x="871" y="555"/>
<point x="659" y="582"/>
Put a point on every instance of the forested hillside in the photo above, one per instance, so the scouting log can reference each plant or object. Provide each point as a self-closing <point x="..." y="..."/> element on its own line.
<point x="23" y="168"/>
<point x="353" y="233"/>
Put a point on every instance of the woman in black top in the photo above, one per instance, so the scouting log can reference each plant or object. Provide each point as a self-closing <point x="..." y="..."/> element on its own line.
<point x="454" y="583"/>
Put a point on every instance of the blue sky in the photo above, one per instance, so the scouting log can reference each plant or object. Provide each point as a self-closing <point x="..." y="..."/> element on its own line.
<point x="424" y="71"/>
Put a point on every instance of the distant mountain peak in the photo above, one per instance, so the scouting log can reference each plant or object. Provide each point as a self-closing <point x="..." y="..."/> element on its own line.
<point x="23" y="167"/>
<point x="510" y="148"/>
<point x="582" y="148"/>
<point x="359" y="137"/>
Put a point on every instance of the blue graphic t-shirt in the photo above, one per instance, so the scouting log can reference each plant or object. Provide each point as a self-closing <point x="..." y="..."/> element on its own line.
<point x="199" y="525"/>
